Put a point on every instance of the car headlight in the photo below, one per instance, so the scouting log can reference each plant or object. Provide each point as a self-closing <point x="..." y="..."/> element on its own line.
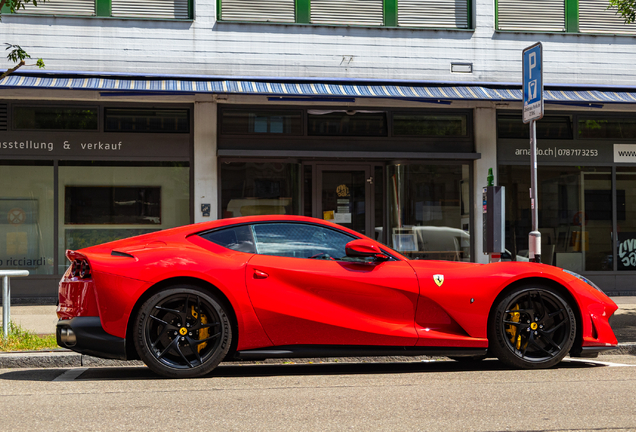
<point x="584" y="279"/>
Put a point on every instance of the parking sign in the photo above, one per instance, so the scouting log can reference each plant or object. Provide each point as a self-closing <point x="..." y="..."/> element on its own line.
<point x="532" y="60"/>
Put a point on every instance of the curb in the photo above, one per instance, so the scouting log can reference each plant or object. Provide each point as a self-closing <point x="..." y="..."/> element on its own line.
<point x="56" y="359"/>
<point x="68" y="359"/>
<point x="624" y="348"/>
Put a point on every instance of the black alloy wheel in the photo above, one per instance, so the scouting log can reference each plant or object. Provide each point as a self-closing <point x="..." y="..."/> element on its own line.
<point x="182" y="332"/>
<point x="532" y="328"/>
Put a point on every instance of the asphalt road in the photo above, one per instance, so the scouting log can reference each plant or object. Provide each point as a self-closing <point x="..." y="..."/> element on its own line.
<point x="414" y="396"/>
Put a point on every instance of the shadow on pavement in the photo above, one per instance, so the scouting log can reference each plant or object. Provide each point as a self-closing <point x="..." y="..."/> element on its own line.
<point x="270" y="370"/>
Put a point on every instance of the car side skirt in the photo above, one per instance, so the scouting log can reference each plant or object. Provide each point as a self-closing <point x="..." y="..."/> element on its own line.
<point x="313" y="351"/>
<point x="591" y="352"/>
<point x="86" y="335"/>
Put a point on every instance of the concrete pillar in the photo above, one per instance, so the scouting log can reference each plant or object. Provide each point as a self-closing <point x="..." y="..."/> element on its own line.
<point x="485" y="121"/>
<point x="206" y="179"/>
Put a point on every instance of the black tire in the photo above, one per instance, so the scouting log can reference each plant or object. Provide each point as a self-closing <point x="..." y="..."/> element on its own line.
<point x="182" y="331"/>
<point x="532" y="327"/>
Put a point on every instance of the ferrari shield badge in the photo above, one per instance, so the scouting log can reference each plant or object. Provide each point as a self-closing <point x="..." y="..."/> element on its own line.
<point x="439" y="279"/>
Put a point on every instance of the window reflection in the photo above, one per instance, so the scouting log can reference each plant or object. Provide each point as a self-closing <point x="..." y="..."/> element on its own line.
<point x="250" y="188"/>
<point x="429" y="211"/>
<point x="103" y="201"/>
<point x="300" y="241"/>
<point x="26" y="225"/>
<point x="626" y="215"/>
<point x="575" y="215"/>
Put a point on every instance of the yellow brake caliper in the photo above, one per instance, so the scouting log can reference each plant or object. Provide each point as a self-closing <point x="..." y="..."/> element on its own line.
<point x="203" y="333"/>
<point x="512" y="329"/>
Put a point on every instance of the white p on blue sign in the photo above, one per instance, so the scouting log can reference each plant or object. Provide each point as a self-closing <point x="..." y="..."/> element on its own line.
<point x="533" y="82"/>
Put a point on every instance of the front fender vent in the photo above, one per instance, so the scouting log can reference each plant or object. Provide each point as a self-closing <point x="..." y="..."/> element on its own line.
<point x="121" y="254"/>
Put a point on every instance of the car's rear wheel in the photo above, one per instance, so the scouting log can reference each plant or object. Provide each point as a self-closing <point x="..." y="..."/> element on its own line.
<point x="531" y="328"/>
<point x="182" y="331"/>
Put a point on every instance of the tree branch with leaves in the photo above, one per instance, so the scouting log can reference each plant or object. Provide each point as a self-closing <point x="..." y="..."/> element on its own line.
<point x="626" y="9"/>
<point x="16" y="54"/>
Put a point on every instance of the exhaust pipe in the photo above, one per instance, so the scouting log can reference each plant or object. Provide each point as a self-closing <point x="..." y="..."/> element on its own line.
<point x="67" y="336"/>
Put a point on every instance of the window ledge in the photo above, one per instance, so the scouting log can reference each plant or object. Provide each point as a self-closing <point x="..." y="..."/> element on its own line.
<point x="566" y="33"/>
<point x="379" y="27"/>
<point x="189" y="20"/>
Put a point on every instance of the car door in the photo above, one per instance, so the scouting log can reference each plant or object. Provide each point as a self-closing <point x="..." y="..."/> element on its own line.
<point x="304" y="292"/>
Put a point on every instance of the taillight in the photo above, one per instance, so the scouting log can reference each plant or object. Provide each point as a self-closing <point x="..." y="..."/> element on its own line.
<point x="80" y="269"/>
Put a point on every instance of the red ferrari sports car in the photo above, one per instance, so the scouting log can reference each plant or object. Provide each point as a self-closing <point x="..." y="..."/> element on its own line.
<point x="187" y="298"/>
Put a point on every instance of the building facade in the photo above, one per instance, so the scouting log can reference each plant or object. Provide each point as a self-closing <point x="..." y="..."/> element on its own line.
<point x="381" y="115"/>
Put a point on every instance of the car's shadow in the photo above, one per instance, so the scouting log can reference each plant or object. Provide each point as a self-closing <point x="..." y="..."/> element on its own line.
<point x="230" y="370"/>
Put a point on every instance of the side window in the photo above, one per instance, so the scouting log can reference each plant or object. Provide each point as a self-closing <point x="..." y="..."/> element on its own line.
<point x="238" y="238"/>
<point x="299" y="241"/>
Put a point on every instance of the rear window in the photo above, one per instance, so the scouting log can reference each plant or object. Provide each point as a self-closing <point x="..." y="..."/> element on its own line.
<point x="238" y="238"/>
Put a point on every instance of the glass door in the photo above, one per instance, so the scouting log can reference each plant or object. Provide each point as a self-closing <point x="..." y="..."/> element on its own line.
<point x="592" y="236"/>
<point x="344" y="196"/>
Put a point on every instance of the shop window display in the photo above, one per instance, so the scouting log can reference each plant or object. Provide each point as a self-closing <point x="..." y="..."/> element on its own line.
<point x="575" y="215"/>
<point x="252" y="188"/>
<point x="85" y="205"/>
<point x="626" y="220"/>
<point x="429" y="211"/>
<point x="26" y="228"/>
<point x="103" y="201"/>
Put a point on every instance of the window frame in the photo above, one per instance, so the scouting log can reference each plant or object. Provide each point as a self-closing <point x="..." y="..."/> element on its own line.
<point x="140" y="109"/>
<point x="103" y="9"/>
<point x="389" y="12"/>
<point x="16" y="106"/>
<point x="571" y="20"/>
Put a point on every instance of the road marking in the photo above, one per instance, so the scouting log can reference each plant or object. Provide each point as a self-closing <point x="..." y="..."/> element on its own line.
<point x="71" y="374"/>
<point x="600" y="363"/>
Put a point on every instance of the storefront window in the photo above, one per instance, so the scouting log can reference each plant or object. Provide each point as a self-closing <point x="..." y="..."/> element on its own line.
<point x="429" y="211"/>
<point x="346" y="123"/>
<point x="147" y="120"/>
<point x="55" y="118"/>
<point x="26" y="225"/>
<point x="415" y="124"/>
<point x="242" y="122"/>
<point x="609" y="127"/>
<point x="102" y="201"/>
<point x="575" y="215"/>
<point x="626" y="217"/>
<point x="557" y="127"/>
<point x="252" y="188"/>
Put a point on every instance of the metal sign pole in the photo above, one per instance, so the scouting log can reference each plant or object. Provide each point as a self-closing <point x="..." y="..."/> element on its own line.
<point x="534" y="240"/>
<point x="532" y="65"/>
<point x="6" y="297"/>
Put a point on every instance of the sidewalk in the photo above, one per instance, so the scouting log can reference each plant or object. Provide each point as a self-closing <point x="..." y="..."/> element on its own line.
<point x="37" y="319"/>
<point x="42" y="319"/>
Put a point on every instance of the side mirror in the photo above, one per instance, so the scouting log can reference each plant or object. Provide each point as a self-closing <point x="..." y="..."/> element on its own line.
<point x="364" y="249"/>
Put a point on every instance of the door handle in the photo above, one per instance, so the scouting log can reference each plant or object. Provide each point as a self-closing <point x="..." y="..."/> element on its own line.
<point x="258" y="274"/>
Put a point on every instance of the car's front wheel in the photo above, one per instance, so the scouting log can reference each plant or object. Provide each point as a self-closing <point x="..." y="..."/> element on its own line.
<point x="182" y="331"/>
<point x="531" y="328"/>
